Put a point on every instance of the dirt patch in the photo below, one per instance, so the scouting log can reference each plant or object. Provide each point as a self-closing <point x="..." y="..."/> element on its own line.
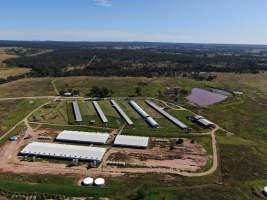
<point x="184" y="157"/>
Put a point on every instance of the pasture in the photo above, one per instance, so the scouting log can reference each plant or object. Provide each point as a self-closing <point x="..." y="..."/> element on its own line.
<point x="61" y="113"/>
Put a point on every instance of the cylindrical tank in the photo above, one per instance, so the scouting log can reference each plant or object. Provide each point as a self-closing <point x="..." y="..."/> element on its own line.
<point x="265" y="190"/>
<point x="99" y="182"/>
<point x="88" y="181"/>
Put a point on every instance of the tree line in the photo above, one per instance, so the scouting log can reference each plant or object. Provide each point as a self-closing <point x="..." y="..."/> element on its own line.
<point x="126" y="62"/>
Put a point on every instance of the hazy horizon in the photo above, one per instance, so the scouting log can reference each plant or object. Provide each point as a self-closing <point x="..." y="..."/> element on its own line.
<point x="171" y="21"/>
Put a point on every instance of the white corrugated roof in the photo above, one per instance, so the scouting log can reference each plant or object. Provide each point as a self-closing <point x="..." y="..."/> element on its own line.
<point x="167" y="115"/>
<point x="134" y="141"/>
<point x="152" y="122"/>
<point x="138" y="109"/>
<point x="64" y="151"/>
<point x="121" y="112"/>
<point x="77" y="113"/>
<point x="205" y="122"/>
<point x="100" y="112"/>
<point x="87" y="137"/>
<point x="144" y="114"/>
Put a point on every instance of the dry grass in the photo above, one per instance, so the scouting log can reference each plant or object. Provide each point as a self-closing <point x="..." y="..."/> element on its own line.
<point x="14" y="71"/>
<point x="257" y="81"/>
<point x="9" y="71"/>
<point x="4" y="55"/>
<point x="27" y="87"/>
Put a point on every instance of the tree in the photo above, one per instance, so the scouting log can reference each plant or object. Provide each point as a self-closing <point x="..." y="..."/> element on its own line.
<point x="138" y="91"/>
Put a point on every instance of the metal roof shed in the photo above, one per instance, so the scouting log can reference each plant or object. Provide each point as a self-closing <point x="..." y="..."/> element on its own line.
<point x="138" y="109"/>
<point x="167" y="115"/>
<point x="83" y="137"/>
<point x="152" y="122"/>
<point x="100" y="112"/>
<point x="121" y="112"/>
<point x="143" y="114"/>
<point x="131" y="141"/>
<point x="77" y="113"/>
<point x="63" y="151"/>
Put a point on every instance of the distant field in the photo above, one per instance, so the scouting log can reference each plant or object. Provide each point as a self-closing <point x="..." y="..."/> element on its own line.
<point x="125" y="86"/>
<point x="14" y="71"/>
<point x="10" y="71"/>
<point x="27" y="87"/>
<point x="4" y="55"/>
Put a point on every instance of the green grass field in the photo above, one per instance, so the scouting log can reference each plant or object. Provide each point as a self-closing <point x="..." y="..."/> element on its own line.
<point x="11" y="112"/>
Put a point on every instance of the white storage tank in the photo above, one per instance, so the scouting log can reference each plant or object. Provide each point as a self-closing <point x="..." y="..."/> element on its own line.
<point x="88" y="181"/>
<point x="99" y="182"/>
<point x="265" y="190"/>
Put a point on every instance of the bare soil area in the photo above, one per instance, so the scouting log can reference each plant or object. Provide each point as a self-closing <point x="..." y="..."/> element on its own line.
<point x="188" y="157"/>
<point x="160" y="157"/>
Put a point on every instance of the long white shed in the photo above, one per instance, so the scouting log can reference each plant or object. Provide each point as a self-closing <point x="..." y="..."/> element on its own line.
<point x="121" y="112"/>
<point x="144" y="115"/>
<point x="83" y="137"/>
<point x="63" y="151"/>
<point x="131" y="141"/>
<point x="76" y="110"/>
<point x="167" y="115"/>
<point x="100" y="112"/>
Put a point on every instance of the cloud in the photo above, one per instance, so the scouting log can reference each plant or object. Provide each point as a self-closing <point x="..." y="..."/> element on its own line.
<point x="103" y="3"/>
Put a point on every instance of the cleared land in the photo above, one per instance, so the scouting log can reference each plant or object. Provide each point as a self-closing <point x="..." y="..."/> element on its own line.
<point x="9" y="71"/>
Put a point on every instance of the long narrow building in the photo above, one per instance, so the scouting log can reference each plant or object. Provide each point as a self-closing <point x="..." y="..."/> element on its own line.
<point x="121" y="112"/>
<point x="144" y="115"/>
<point x="100" y="112"/>
<point x="76" y="110"/>
<point x="83" y="137"/>
<point x="63" y="151"/>
<point x="167" y="115"/>
<point x="131" y="141"/>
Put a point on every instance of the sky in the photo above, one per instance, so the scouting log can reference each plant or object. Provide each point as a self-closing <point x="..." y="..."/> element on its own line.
<point x="181" y="21"/>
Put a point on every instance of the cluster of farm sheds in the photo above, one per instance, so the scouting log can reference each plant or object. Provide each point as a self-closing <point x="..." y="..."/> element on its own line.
<point x="147" y="118"/>
<point x="95" y="154"/>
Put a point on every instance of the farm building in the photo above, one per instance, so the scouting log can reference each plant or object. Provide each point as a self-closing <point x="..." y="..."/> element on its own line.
<point x="167" y="115"/>
<point x="131" y="141"/>
<point x="76" y="110"/>
<point x="144" y="115"/>
<point x="100" y="112"/>
<point x="203" y="121"/>
<point x="83" y="137"/>
<point x="63" y="151"/>
<point x="121" y="112"/>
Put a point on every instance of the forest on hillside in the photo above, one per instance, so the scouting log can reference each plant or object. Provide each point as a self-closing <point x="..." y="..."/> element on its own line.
<point x="138" y="60"/>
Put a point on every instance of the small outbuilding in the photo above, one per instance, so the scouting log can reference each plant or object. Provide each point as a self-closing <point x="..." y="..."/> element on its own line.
<point x="203" y="121"/>
<point x="13" y="138"/>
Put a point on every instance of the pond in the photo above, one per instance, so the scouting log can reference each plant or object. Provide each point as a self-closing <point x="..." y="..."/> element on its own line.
<point x="204" y="97"/>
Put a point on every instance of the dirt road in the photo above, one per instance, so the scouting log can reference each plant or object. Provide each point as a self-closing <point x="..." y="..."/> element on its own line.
<point x="20" y="122"/>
